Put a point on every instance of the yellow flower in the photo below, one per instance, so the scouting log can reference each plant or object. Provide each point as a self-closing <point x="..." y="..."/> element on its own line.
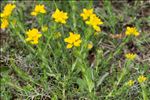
<point x="4" y="23"/>
<point x="132" y="31"/>
<point x="7" y="10"/>
<point x="90" y="45"/>
<point x="38" y="9"/>
<point x="33" y="36"/>
<point x="60" y="16"/>
<point x="44" y="28"/>
<point x="57" y="35"/>
<point x="130" y="83"/>
<point x="94" y="22"/>
<point x="86" y="13"/>
<point x="5" y="14"/>
<point x="73" y="40"/>
<point x="130" y="56"/>
<point x="141" y="79"/>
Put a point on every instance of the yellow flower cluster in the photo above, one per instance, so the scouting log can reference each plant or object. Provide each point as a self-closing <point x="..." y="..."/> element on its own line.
<point x="33" y="36"/>
<point x="91" y="19"/>
<point x="130" y="83"/>
<point x="132" y="31"/>
<point x="38" y="9"/>
<point x="130" y="56"/>
<point x="141" y="79"/>
<point x="60" y="16"/>
<point x="73" y="40"/>
<point x="5" y="14"/>
<point x="7" y="10"/>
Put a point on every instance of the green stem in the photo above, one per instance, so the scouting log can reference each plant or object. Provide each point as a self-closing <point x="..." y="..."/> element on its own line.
<point x="121" y="46"/>
<point x="73" y="5"/>
<point x="125" y="71"/>
<point x="144" y="93"/>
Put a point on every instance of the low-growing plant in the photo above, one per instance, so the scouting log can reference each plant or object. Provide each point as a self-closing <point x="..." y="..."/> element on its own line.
<point x="72" y="50"/>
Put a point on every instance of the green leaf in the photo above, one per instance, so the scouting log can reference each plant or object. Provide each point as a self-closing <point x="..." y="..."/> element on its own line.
<point x="82" y="84"/>
<point x="102" y="79"/>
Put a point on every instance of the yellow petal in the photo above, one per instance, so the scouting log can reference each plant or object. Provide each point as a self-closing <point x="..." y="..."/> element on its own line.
<point x="66" y="39"/>
<point x="34" y="42"/>
<point x="28" y="39"/>
<point x="77" y="43"/>
<point x="63" y="22"/>
<point x="4" y="23"/>
<point x="97" y="28"/>
<point x="69" y="46"/>
<point x="1" y="15"/>
<point x="33" y="13"/>
<point x="136" y="33"/>
<point x="71" y="34"/>
<point x="88" y="22"/>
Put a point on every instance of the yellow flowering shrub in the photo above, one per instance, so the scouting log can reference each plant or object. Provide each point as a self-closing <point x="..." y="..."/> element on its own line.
<point x="73" y="40"/>
<point x="60" y="16"/>
<point x="7" y="10"/>
<point x="63" y="53"/>
<point x="141" y="79"/>
<point x="33" y="35"/>
<point x="38" y="9"/>
<point x="132" y="31"/>
<point x="130" y="56"/>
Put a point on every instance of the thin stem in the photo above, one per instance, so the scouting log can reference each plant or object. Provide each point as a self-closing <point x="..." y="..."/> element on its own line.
<point x="144" y="93"/>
